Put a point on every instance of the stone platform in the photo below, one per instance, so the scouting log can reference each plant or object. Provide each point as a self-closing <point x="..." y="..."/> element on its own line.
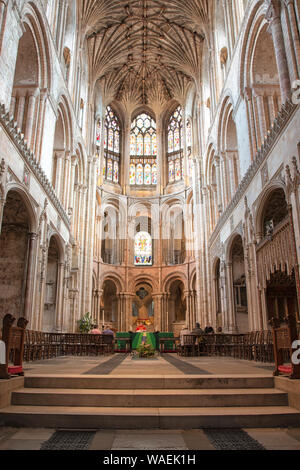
<point x="167" y="393"/>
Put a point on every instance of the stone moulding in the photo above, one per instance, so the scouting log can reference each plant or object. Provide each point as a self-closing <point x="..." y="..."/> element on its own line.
<point x="18" y="139"/>
<point x="284" y="116"/>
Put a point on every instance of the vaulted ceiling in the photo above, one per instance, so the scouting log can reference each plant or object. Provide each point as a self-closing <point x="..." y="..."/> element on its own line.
<point x="145" y="51"/>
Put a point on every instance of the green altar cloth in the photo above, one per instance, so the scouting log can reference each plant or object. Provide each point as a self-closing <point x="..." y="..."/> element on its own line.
<point x="169" y="345"/>
<point x="139" y="338"/>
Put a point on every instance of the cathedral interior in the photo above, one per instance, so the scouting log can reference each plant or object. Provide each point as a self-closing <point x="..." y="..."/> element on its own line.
<point x="149" y="163"/>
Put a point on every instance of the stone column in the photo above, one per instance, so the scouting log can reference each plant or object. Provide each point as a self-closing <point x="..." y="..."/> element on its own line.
<point x="160" y="165"/>
<point x="40" y="124"/>
<point x="30" y="118"/>
<point x="67" y="177"/>
<point x="60" y="298"/>
<point x="262" y="115"/>
<point x="59" y="155"/>
<point x="294" y="30"/>
<point x="126" y="156"/>
<point x="21" y="108"/>
<point x="230" y="299"/>
<point x="157" y="312"/>
<point x="273" y="17"/>
<point x="219" y="186"/>
<point x="30" y="275"/>
<point x="3" y="5"/>
<point x="251" y="122"/>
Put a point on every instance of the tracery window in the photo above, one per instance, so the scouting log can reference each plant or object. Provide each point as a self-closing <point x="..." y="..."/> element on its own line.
<point x="112" y="136"/>
<point x="175" y="147"/>
<point x="143" y="152"/>
<point x="143" y="249"/>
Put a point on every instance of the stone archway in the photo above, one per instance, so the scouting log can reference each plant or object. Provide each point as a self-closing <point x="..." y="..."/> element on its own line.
<point x="109" y="304"/>
<point x="143" y="306"/>
<point x="177" y="306"/>
<point x="52" y="288"/>
<point x="15" y="256"/>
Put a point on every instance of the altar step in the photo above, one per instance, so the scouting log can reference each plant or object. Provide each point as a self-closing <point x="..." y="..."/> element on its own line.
<point x="149" y="398"/>
<point x="145" y="402"/>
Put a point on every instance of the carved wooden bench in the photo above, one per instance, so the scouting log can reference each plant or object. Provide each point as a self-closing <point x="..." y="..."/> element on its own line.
<point x="284" y="337"/>
<point x="12" y="347"/>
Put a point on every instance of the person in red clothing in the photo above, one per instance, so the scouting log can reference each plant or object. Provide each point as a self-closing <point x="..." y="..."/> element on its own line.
<point x="95" y="330"/>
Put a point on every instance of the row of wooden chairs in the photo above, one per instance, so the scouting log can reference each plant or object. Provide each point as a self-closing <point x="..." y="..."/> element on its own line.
<point x="254" y="346"/>
<point x="39" y="345"/>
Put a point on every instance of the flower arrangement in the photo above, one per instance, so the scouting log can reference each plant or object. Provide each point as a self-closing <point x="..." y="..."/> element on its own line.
<point x="145" y="351"/>
<point x="86" y="323"/>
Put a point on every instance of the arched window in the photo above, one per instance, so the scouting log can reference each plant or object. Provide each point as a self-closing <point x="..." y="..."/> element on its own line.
<point x="175" y="146"/>
<point x="143" y="152"/>
<point x="143" y="249"/>
<point x="112" y="132"/>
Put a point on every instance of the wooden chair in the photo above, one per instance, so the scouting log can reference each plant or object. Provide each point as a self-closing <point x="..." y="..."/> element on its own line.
<point x="283" y="339"/>
<point x="13" y="338"/>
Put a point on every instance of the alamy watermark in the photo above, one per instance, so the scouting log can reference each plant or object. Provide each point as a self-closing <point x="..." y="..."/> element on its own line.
<point x="296" y="353"/>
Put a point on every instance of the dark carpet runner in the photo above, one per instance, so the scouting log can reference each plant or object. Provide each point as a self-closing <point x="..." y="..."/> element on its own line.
<point x="184" y="367"/>
<point x="107" y="367"/>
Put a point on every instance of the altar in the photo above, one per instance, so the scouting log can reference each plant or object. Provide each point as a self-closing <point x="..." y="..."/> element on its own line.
<point x="144" y="337"/>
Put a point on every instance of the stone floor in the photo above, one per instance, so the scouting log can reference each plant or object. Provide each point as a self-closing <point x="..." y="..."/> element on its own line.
<point x="197" y="440"/>
<point x="169" y="364"/>
<point x="33" y="439"/>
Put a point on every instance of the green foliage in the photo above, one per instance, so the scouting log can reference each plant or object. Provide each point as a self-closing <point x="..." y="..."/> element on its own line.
<point x="145" y="350"/>
<point x="86" y="323"/>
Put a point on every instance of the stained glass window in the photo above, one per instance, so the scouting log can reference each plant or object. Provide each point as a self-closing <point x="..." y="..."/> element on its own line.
<point x="143" y="249"/>
<point x="143" y="151"/>
<point x="175" y="146"/>
<point x="111" y="142"/>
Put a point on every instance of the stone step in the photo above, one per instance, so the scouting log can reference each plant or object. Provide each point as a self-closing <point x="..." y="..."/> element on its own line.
<point x="140" y="382"/>
<point x="150" y="398"/>
<point x="149" y="418"/>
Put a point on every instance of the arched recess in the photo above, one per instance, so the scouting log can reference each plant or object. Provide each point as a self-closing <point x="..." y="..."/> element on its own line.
<point x="229" y="164"/>
<point x="63" y="142"/>
<point x="213" y="179"/>
<point x="53" y="302"/>
<point x="32" y="79"/>
<point x="236" y="279"/>
<point x="112" y="241"/>
<point x="259" y="77"/>
<point x="143" y="305"/>
<point x="17" y="255"/>
<point x="177" y="306"/>
<point x="110" y="304"/>
<point x="276" y="260"/>
<point x="174" y="233"/>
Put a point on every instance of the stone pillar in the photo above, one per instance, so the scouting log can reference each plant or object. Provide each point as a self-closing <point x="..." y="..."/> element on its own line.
<point x="30" y="118"/>
<point x="219" y="186"/>
<point x="251" y="122"/>
<point x="230" y="299"/>
<point x="157" y="312"/>
<point x="67" y="178"/>
<point x="294" y="30"/>
<point x="59" y="155"/>
<point x="40" y="124"/>
<point x="60" y="298"/>
<point x="30" y="275"/>
<point x="126" y="156"/>
<point x="160" y="166"/>
<point x="262" y="115"/>
<point x="273" y="17"/>
<point x="3" y="5"/>
<point x="21" y="109"/>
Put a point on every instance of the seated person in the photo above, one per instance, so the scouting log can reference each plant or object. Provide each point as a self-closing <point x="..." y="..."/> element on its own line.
<point x="209" y="330"/>
<point x="108" y="331"/>
<point x="197" y="330"/>
<point x="95" y="330"/>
